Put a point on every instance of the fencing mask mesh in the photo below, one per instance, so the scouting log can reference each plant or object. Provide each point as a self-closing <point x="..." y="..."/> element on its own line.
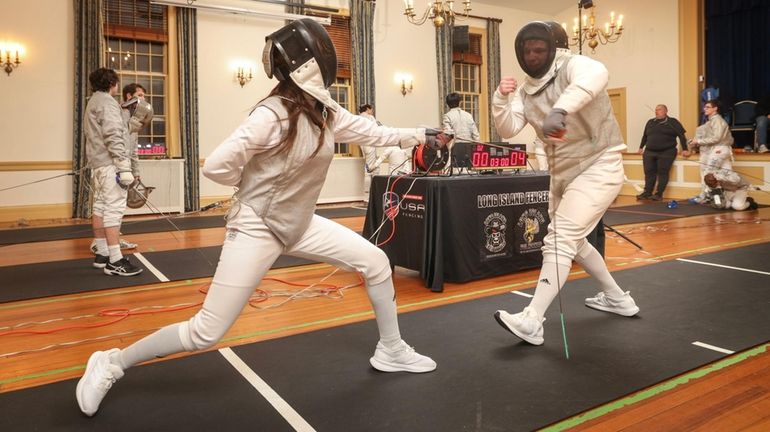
<point x="137" y="195"/>
<point x="536" y="45"/>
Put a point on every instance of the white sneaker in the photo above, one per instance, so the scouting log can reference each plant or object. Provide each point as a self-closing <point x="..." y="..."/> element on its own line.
<point x="401" y="359"/>
<point x="624" y="306"/>
<point x="526" y="324"/>
<point x="124" y="244"/>
<point x="763" y="149"/>
<point x="97" y="380"/>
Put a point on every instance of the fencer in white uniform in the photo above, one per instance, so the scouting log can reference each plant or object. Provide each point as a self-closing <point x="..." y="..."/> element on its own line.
<point x="714" y="142"/>
<point x="137" y="114"/>
<point x="278" y="158"/>
<point x="109" y="159"/>
<point x="565" y="93"/>
<point x="399" y="160"/>
<point x="728" y="190"/>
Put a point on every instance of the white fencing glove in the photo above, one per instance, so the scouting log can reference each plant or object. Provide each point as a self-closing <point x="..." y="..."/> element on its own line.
<point x="125" y="178"/>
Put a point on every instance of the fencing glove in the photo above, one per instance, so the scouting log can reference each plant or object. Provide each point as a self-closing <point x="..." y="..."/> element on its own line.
<point x="554" y="126"/>
<point x="125" y="178"/>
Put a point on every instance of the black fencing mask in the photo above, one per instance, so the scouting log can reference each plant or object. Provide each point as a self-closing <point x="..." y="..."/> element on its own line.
<point x="536" y="46"/>
<point x="299" y="44"/>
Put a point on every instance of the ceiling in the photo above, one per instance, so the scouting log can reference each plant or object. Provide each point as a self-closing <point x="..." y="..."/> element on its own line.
<point x="548" y="7"/>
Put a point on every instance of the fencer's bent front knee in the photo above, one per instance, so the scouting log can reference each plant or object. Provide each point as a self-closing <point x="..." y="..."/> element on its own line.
<point x="202" y="331"/>
<point x="377" y="268"/>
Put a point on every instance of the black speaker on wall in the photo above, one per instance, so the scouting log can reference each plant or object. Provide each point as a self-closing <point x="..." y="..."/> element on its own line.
<point x="461" y="40"/>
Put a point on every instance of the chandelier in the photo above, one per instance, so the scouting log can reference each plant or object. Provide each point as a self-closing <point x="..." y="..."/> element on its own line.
<point x="585" y="29"/>
<point x="437" y="11"/>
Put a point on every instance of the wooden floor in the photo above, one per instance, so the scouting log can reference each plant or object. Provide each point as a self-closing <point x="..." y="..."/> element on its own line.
<point x="734" y="398"/>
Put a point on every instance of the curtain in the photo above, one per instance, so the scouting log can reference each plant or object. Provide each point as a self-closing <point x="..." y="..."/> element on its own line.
<point x="89" y="56"/>
<point x="493" y="70"/>
<point x="444" y="64"/>
<point x="300" y="10"/>
<point x="188" y="104"/>
<point x="737" y="48"/>
<point x="362" y="44"/>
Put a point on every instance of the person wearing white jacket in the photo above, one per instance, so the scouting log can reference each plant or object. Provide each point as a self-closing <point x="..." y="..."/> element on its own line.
<point x="714" y="142"/>
<point x="108" y="156"/>
<point x="563" y="98"/>
<point x="278" y="158"/>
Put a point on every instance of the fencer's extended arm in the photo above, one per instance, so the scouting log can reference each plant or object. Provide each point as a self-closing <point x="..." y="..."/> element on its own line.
<point x="587" y="78"/>
<point x="508" y="113"/>
<point x="115" y="136"/>
<point x="356" y="129"/>
<point x="260" y="132"/>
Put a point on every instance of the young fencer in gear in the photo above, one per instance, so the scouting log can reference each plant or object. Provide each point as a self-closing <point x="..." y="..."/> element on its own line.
<point x="137" y="114"/>
<point x="728" y="190"/>
<point x="563" y="97"/>
<point x="714" y="141"/>
<point x="278" y="158"/>
<point x="109" y="158"/>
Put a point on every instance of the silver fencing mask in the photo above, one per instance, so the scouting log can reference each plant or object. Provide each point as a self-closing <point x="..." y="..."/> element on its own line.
<point x="536" y="46"/>
<point x="137" y="195"/>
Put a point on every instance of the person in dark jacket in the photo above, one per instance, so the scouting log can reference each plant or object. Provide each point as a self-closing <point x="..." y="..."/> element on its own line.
<point x="659" y="150"/>
<point x="762" y="110"/>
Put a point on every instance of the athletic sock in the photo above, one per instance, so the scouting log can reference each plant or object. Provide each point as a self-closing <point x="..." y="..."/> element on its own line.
<point x="101" y="247"/>
<point x="548" y="284"/>
<point x="593" y="263"/>
<point x="383" y="298"/>
<point x="114" y="253"/>
<point x="157" y="345"/>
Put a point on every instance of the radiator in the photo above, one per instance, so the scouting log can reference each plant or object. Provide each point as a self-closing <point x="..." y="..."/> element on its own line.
<point x="167" y="177"/>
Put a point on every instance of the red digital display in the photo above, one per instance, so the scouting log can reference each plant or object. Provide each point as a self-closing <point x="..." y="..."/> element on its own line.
<point x="498" y="156"/>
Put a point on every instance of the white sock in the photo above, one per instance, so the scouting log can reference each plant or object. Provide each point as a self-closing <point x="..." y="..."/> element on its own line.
<point x="593" y="263"/>
<point x="383" y="298"/>
<point x="157" y="345"/>
<point x="101" y="247"/>
<point x="548" y="284"/>
<point x="114" y="253"/>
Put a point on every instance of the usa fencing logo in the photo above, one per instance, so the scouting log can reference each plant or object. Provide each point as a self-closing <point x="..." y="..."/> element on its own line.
<point x="390" y="204"/>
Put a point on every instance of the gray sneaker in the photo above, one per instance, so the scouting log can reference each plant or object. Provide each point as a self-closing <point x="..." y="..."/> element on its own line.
<point x="97" y="380"/>
<point x="624" y="306"/>
<point x="401" y="359"/>
<point x="763" y="149"/>
<point x="526" y="324"/>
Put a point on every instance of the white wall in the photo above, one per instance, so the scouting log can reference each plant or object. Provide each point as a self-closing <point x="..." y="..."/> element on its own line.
<point x="37" y="98"/>
<point x="36" y="116"/>
<point x="645" y="60"/>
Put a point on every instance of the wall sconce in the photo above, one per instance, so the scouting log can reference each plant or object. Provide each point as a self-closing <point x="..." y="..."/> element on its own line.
<point x="5" y="57"/>
<point x="406" y="83"/>
<point x="243" y="76"/>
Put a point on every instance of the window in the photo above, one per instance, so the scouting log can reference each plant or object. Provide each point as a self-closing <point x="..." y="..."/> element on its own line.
<point x="342" y="93"/>
<point x="143" y="63"/>
<point x="467" y="80"/>
<point x="137" y="47"/>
